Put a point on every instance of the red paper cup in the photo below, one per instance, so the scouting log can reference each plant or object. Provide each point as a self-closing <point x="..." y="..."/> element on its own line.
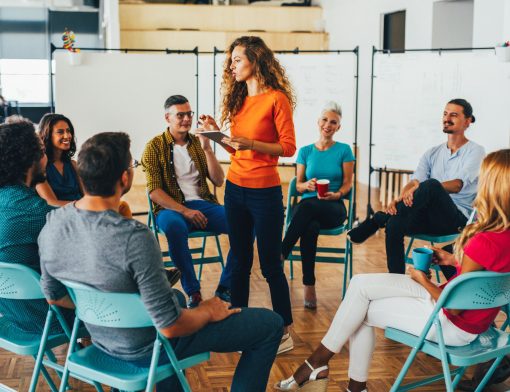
<point x="322" y="187"/>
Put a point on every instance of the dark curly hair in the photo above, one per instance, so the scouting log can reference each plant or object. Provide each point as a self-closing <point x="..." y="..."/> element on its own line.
<point x="45" y="131"/>
<point x="20" y="147"/>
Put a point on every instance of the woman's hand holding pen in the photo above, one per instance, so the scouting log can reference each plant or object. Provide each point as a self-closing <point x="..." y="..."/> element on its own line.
<point x="207" y="123"/>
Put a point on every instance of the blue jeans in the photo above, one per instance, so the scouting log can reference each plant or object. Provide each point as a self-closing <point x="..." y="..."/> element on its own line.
<point x="256" y="332"/>
<point x="258" y="211"/>
<point x="177" y="228"/>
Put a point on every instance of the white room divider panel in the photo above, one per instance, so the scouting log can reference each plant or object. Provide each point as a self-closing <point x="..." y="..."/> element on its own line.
<point x="317" y="79"/>
<point x="122" y="92"/>
<point x="410" y="92"/>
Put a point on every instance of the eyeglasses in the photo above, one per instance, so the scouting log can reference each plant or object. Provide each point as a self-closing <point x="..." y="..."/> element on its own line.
<point x="181" y="115"/>
<point x="134" y="164"/>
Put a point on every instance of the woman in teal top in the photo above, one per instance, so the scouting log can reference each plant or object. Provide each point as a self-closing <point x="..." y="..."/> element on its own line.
<point x="323" y="160"/>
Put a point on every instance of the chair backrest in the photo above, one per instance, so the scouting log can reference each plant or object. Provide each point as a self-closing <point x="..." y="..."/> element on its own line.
<point x="18" y="281"/>
<point x="293" y="196"/>
<point x="115" y="310"/>
<point x="476" y="290"/>
<point x="151" y="219"/>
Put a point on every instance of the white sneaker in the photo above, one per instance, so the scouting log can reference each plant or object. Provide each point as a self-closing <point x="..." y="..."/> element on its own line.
<point x="286" y="344"/>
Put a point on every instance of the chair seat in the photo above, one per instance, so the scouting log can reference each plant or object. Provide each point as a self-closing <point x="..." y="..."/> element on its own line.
<point x="437" y="239"/>
<point x="335" y="231"/>
<point x="25" y="343"/>
<point x="200" y="234"/>
<point x="94" y="364"/>
<point x="490" y="342"/>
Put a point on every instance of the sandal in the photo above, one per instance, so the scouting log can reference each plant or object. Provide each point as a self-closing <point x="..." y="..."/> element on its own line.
<point x="312" y="385"/>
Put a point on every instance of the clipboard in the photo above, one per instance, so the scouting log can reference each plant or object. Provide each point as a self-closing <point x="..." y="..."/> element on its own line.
<point x="218" y="137"/>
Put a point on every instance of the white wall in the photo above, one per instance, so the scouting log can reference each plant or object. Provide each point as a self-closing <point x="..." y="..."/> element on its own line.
<point x="491" y="23"/>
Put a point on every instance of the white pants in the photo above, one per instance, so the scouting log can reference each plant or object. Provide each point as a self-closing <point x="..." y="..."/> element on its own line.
<point x="384" y="300"/>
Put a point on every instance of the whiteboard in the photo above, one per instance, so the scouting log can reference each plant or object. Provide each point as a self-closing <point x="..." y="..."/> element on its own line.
<point x="411" y="90"/>
<point x="316" y="79"/>
<point x="122" y="92"/>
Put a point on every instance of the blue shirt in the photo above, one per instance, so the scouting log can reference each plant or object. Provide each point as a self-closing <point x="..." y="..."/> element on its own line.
<point x="22" y="217"/>
<point x="66" y="187"/>
<point x="439" y="163"/>
<point x="325" y="165"/>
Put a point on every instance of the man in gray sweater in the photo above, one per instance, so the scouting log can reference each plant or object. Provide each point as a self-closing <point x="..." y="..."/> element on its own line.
<point x="89" y="242"/>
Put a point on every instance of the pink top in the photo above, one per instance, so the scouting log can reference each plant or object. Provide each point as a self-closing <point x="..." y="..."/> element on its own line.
<point x="492" y="251"/>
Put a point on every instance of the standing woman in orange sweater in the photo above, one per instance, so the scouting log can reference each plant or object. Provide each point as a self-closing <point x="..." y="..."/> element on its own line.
<point x="257" y="102"/>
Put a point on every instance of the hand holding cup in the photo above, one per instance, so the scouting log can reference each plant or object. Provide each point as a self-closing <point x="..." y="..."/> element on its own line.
<point x="322" y="187"/>
<point x="422" y="258"/>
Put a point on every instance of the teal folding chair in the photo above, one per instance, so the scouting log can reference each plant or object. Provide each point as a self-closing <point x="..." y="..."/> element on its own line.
<point x="434" y="240"/>
<point x="200" y="250"/>
<point x="474" y="290"/>
<point x="336" y="255"/>
<point x="119" y="310"/>
<point x="19" y="282"/>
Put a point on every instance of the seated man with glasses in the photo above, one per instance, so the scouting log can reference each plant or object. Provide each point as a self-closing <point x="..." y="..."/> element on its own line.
<point x="177" y="165"/>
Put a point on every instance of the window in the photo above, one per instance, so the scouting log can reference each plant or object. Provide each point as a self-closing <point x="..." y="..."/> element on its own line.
<point x="25" y="80"/>
<point x="394" y="37"/>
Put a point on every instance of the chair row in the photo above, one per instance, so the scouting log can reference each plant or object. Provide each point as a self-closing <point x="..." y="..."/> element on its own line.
<point x="91" y="365"/>
<point x="340" y="254"/>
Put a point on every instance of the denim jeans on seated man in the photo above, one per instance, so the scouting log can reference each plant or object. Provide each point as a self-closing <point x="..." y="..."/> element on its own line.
<point x="177" y="229"/>
<point x="243" y="334"/>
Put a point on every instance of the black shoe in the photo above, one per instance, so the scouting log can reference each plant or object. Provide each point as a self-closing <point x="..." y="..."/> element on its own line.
<point x="173" y="275"/>
<point x="501" y="373"/>
<point x="381" y="218"/>
<point x="223" y="293"/>
<point x="364" y="230"/>
<point x="194" y="300"/>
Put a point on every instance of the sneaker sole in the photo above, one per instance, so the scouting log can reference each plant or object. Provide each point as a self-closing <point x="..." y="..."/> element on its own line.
<point x="285" y="350"/>
<point x="353" y="242"/>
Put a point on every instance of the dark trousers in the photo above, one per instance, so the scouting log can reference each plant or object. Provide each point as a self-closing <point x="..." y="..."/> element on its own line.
<point x="257" y="211"/>
<point x="433" y="212"/>
<point x="309" y="217"/>
<point x="256" y="332"/>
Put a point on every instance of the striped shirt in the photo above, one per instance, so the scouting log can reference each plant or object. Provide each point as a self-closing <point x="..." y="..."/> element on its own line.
<point x="159" y="168"/>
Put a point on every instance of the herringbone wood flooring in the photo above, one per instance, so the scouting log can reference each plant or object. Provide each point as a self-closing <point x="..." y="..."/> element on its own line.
<point x="308" y="329"/>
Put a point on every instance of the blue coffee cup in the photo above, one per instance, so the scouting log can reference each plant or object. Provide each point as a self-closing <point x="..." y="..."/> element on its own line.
<point x="422" y="258"/>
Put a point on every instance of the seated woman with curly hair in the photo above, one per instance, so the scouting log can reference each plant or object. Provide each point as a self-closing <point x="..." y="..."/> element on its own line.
<point x="63" y="184"/>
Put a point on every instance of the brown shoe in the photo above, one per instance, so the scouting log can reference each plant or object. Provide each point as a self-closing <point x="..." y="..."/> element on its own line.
<point x="194" y="300"/>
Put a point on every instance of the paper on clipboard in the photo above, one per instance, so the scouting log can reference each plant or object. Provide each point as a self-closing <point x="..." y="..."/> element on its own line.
<point x="218" y="137"/>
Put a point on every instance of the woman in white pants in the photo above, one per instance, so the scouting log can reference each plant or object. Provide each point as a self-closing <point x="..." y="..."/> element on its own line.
<point x="406" y="301"/>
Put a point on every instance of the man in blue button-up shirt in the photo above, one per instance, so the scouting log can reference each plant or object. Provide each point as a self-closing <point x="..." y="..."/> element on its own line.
<point x="438" y="199"/>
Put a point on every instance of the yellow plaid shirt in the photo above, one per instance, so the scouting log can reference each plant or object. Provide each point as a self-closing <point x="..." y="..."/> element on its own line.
<point x="157" y="162"/>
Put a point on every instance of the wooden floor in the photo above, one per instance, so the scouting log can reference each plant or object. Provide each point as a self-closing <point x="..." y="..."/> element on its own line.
<point x="308" y="329"/>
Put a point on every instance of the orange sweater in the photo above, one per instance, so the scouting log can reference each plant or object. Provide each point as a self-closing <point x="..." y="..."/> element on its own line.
<point x="266" y="118"/>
